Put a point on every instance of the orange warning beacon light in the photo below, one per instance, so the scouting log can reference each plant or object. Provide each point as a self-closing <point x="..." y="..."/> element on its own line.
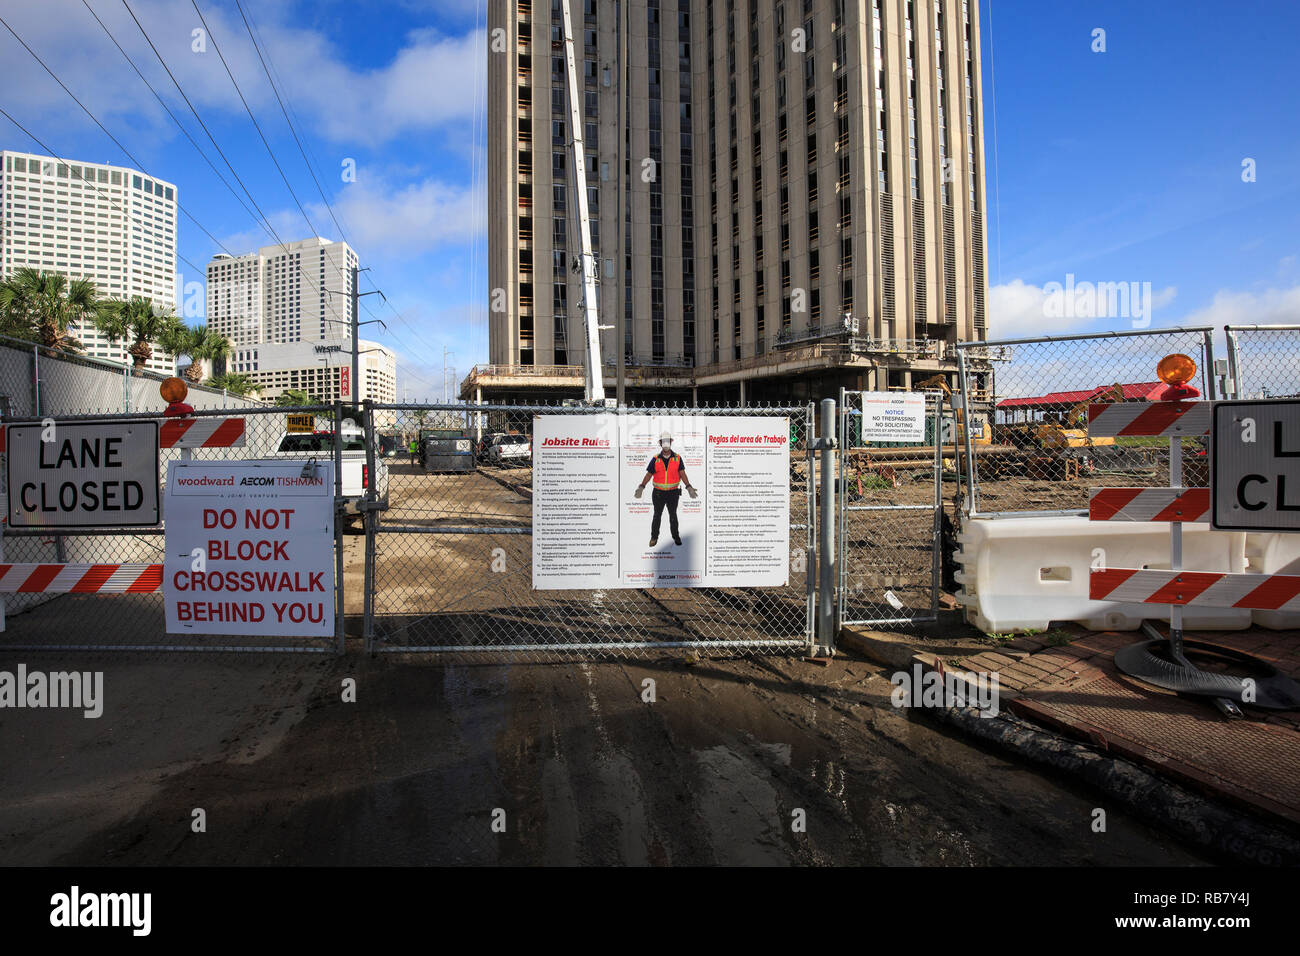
<point x="173" y="390"/>
<point x="1176" y="370"/>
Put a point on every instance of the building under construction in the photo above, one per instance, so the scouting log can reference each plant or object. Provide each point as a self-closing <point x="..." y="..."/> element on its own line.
<point x="785" y="198"/>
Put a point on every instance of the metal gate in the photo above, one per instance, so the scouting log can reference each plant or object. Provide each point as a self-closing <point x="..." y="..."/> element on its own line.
<point x="890" y="519"/>
<point x="449" y="553"/>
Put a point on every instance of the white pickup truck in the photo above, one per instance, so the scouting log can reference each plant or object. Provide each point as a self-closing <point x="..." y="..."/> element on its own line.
<point x="319" y="444"/>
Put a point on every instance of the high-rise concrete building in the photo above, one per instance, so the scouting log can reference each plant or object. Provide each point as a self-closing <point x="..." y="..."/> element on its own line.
<point x="786" y="196"/>
<point x="287" y="311"/>
<point x="295" y="292"/>
<point x="110" y="224"/>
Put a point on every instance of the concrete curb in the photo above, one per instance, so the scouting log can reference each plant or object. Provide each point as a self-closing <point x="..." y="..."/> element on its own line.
<point x="1209" y="826"/>
<point x="1218" y="830"/>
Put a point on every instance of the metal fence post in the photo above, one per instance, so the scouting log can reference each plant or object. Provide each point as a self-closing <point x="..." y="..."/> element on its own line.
<point x="826" y="540"/>
<point x="1207" y="368"/>
<point x="340" y="608"/>
<point x="963" y="428"/>
<point x="1234" y="360"/>
<point x="371" y="516"/>
<point x="36" y="382"/>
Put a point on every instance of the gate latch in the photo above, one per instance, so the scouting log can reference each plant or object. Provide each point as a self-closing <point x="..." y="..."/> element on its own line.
<point x="826" y="443"/>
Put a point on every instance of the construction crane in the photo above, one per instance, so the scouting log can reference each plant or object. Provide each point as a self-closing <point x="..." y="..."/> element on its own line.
<point x="595" y="367"/>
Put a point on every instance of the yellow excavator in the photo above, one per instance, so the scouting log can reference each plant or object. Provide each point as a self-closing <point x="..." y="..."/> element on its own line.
<point x="1071" y="429"/>
<point x="979" y="433"/>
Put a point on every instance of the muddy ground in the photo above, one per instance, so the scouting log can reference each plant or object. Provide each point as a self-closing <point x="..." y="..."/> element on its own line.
<point x="582" y="768"/>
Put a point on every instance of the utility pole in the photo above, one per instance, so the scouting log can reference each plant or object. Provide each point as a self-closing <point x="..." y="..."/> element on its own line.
<point x="445" y="353"/>
<point x="354" y="387"/>
<point x="355" y="390"/>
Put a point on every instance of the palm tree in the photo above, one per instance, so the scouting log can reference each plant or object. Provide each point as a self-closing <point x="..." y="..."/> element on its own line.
<point x="295" y="396"/>
<point x="198" y="342"/>
<point x="43" y="306"/>
<point x="136" y="318"/>
<point x="236" y="383"/>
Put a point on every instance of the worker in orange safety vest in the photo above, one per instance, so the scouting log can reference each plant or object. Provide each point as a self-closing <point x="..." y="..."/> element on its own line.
<point x="668" y="472"/>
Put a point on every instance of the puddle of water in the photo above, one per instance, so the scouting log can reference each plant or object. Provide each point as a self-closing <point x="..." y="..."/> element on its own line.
<point x="739" y="808"/>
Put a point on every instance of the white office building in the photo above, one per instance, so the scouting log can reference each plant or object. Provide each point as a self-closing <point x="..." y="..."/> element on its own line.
<point x="287" y="310"/>
<point x="110" y="224"/>
<point x="321" y="369"/>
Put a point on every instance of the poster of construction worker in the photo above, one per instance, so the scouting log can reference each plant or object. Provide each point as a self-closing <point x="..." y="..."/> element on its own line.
<point x="652" y="501"/>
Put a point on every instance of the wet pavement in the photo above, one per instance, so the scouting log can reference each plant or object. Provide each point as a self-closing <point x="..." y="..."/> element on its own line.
<point x="748" y="762"/>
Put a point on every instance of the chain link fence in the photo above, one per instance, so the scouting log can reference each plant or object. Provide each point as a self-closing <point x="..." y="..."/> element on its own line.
<point x="52" y="621"/>
<point x="890" y="513"/>
<point x="1025" y="409"/>
<point x="36" y="381"/>
<point x="451" y="571"/>
<point x="1264" y="360"/>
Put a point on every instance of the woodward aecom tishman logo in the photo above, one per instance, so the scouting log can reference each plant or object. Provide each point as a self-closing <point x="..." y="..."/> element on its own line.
<point x="77" y="909"/>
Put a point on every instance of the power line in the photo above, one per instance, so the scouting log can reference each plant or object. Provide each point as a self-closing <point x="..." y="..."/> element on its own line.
<point x="261" y="135"/>
<point x="256" y="125"/>
<point x="283" y="110"/>
<point x="212" y="139"/>
<point x="179" y="89"/>
<point x="127" y="152"/>
<point x="96" y="121"/>
<point x="163" y="104"/>
<point x="268" y="66"/>
<point x="271" y="230"/>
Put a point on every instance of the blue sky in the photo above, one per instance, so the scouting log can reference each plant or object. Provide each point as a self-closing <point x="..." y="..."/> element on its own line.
<point x="1122" y="166"/>
<point x="1126" y="166"/>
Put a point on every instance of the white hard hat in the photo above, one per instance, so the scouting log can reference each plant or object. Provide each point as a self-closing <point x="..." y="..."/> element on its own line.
<point x="664" y="436"/>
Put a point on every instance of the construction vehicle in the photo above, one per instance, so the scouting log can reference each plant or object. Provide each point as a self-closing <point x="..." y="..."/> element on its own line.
<point x="980" y="433"/>
<point x="1070" y="428"/>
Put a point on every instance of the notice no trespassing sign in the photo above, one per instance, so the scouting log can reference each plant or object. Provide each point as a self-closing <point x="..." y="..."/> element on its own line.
<point x="893" y="416"/>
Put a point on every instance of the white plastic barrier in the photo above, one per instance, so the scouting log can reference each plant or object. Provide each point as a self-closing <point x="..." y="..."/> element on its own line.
<point x="1024" y="573"/>
<point x="1274" y="554"/>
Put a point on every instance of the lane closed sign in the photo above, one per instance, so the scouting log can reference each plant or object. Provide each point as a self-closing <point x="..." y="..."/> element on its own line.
<point x="82" y="475"/>
<point x="1255" y="466"/>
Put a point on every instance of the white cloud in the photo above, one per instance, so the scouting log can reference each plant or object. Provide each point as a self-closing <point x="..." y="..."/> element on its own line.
<point x="432" y="81"/>
<point x="1016" y="309"/>
<point x="1270" y="307"/>
<point x="384" y="220"/>
<point x="402" y="221"/>
<point x="1019" y="309"/>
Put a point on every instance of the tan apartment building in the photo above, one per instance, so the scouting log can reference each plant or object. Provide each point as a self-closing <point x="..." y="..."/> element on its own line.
<point x="799" y="185"/>
<point x="287" y="311"/>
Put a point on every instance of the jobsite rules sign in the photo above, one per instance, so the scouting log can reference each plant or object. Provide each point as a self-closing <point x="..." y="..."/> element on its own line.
<point x="249" y="548"/>
<point x="601" y="519"/>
